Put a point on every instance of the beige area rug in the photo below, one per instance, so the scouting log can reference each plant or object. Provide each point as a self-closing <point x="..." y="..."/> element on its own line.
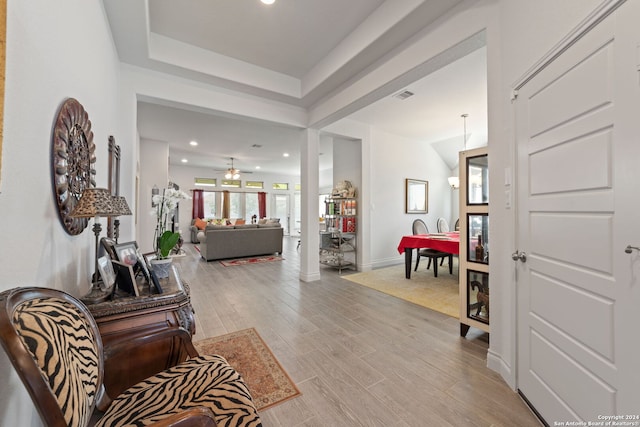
<point x="245" y="350"/>
<point x="437" y="293"/>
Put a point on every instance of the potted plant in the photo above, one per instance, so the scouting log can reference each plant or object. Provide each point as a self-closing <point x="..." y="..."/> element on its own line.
<point x="164" y="240"/>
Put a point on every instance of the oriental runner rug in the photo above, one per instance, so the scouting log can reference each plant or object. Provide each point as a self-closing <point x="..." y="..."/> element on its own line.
<point x="250" y="260"/>
<point x="245" y="350"/>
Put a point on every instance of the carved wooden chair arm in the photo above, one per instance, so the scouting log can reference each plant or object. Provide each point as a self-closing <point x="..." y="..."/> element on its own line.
<point x="131" y="341"/>
<point x="144" y="336"/>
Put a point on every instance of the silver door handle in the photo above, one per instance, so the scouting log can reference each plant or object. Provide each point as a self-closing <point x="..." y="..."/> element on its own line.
<point x="630" y="249"/>
<point x="521" y="256"/>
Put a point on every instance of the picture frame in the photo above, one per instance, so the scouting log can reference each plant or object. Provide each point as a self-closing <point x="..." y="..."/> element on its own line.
<point x="126" y="278"/>
<point x="107" y="273"/>
<point x="143" y="267"/>
<point x="155" y="281"/>
<point x="416" y="196"/>
<point x="127" y="252"/>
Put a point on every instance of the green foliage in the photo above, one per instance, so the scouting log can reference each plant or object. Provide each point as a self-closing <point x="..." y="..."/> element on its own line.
<point x="166" y="242"/>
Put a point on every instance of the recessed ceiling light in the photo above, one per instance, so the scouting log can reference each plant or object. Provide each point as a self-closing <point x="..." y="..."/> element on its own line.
<point x="257" y="167"/>
<point x="285" y="155"/>
<point x="185" y="161"/>
<point x="267" y="1"/>
<point x="194" y="143"/>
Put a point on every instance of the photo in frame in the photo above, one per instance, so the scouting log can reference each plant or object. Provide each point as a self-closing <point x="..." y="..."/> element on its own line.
<point x="142" y="267"/>
<point x="417" y="196"/>
<point x="125" y="278"/>
<point x="106" y="272"/>
<point x="155" y="281"/>
<point x="127" y="253"/>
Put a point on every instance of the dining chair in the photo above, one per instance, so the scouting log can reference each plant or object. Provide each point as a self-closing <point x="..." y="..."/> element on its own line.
<point x="419" y="227"/>
<point x="456" y="227"/>
<point x="54" y="344"/>
<point x="443" y="225"/>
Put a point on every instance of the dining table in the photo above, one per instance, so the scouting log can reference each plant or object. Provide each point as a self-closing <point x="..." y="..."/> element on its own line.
<point x="445" y="242"/>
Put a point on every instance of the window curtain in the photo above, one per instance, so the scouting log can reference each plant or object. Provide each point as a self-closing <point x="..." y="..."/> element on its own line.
<point x="198" y="205"/>
<point x="225" y="204"/>
<point x="262" y="204"/>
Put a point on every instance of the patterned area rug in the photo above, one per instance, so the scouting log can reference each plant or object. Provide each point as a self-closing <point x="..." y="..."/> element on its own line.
<point x="245" y="350"/>
<point x="250" y="260"/>
<point x="437" y="293"/>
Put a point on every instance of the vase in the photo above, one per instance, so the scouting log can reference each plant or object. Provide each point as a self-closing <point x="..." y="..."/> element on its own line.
<point x="161" y="267"/>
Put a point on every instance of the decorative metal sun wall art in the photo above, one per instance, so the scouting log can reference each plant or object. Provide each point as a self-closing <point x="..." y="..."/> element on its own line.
<point x="73" y="157"/>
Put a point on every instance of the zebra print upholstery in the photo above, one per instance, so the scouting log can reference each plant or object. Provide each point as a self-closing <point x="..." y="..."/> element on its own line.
<point x="200" y="381"/>
<point x="53" y="342"/>
<point x="64" y="348"/>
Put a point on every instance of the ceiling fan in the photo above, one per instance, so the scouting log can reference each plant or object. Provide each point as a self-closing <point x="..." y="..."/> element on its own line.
<point x="232" y="172"/>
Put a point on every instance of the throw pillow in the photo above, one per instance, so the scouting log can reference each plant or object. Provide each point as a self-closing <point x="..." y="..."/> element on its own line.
<point x="240" y="222"/>
<point x="200" y="224"/>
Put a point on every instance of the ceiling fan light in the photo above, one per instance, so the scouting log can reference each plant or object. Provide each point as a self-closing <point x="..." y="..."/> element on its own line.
<point x="228" y="175"/>
<point x="236" y="175"/>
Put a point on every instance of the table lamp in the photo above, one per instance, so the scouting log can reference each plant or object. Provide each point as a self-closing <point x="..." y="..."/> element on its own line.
<point x="96" y="202"/>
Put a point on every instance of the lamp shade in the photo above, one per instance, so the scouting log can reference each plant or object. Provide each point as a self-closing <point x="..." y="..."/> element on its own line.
<point x="121" y="205"/>
<point x="454" y="181"/>
<point x="95" y="202"/>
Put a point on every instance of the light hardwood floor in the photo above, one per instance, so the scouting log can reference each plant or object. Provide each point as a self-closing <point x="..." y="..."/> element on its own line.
<point x="359" y="357"/>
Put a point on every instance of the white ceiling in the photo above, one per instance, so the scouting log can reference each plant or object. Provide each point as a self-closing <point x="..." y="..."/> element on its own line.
<point x="295" y="52"/>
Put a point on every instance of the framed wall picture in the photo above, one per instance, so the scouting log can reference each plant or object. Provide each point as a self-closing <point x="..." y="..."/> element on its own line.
<point x="416" y="196"/>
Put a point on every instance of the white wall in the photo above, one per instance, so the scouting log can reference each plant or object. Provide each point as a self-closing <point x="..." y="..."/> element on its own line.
<point x="154" y="170"/>
<point x="55" y="50"/>
<point x="394" y="159"/>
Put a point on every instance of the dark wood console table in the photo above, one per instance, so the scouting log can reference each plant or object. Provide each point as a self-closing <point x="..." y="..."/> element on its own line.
<point x="123" y="316"/>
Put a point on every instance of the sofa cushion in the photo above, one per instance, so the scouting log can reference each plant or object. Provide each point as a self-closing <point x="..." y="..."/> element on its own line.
<point x="217" y="227"/>
<point x="199" y="223"/>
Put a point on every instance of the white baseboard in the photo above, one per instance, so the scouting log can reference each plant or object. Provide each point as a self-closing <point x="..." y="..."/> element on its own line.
<point x="498" y="364"/>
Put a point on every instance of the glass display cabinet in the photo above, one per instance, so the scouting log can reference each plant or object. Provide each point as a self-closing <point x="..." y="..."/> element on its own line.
<point x="474" y="240"/>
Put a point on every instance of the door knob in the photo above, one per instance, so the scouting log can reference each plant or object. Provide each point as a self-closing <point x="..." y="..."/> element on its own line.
<point x="522" y="256"/>
<point x="630" y="249"/>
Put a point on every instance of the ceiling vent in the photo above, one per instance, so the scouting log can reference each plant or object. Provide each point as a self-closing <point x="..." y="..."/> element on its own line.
<point x="403" y="95"/>
<point x="256" y="146"/>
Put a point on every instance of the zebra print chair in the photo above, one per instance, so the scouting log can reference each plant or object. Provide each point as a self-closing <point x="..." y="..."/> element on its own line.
<point x="54" y="344"/>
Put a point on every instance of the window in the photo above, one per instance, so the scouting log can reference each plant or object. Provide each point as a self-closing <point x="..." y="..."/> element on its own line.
<point x="205" y="182"/>
<point x="254" y="184"/>
<point x="209" y="199"/>
<point x="280" y="186"/>
<point x="236" y="205"/>
<point x="234" y="183"/>
<point x="251" y="205"/>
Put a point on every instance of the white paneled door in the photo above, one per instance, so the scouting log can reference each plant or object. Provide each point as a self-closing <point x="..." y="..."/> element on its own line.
<point x="578" y="290"/>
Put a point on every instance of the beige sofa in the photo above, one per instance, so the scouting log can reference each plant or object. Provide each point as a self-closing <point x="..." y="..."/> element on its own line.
<point x="226" y="241"/>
